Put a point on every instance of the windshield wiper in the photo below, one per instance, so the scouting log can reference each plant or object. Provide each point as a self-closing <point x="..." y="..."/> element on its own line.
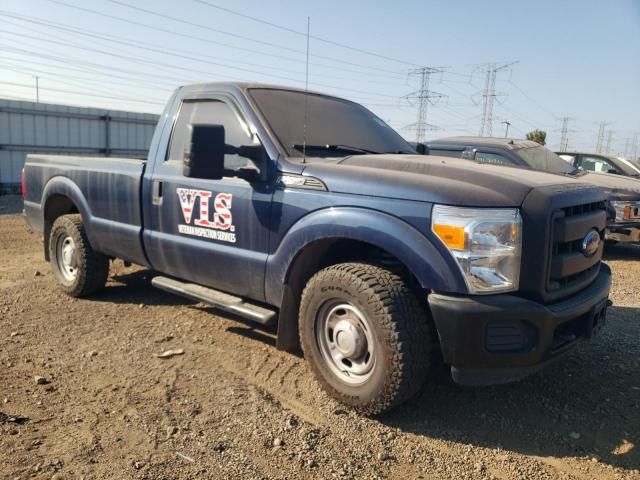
<point x="333" y="148"/>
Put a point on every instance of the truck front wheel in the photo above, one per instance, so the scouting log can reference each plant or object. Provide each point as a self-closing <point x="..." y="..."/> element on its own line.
<point x="79" y="269"/>
<point x="365" y="335"/>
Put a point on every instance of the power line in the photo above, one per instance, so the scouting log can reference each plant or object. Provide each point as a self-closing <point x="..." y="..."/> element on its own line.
<point x="110" y="97"/>
<point x="173" y="32"/>
<point x="96" y="69"/>
<point x="129" y="83"/>
<point x="170" y="51"/>
<point x="424" y="97"/>
<point x="93" y="67"/>
<point x="82" y="84"/>
<point x="532" y="100"/>
<point x="182" y="68"/>
<point x="609" y="140"/>
<point x="121" y="40"/>
<point x="634" y="147"/>
<point x="520" y="118"/>
<point x="153" y="27"/>
<point x="564" y="134"/>
<point x="41" y="53"/>
<point x="489" y="96"/>
<point x="298" y="32"/>
<point x="199" y="25"/>
<point x="149" y="62"/>
<point x="600" y="139"/>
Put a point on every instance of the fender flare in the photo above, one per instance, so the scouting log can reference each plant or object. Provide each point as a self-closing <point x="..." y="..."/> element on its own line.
<point x="432" y="266"/>
<point x="64" y="186"/>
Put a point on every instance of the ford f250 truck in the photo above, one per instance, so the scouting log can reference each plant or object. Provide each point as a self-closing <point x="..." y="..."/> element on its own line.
<point x="308" y="210"/>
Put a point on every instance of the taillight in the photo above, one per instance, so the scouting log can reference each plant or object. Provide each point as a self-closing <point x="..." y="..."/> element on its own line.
<point x="24" y="186"/>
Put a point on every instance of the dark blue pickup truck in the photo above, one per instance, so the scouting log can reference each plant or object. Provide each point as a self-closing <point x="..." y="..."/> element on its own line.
<point x="307" y="210"/>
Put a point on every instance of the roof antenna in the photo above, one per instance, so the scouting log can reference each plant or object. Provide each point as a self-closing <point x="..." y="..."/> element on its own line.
<point x="306" y="93"/>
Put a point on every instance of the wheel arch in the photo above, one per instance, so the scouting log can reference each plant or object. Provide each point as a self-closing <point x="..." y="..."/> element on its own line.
<point x="61" y="197"/>
<point x="336" y="235"/>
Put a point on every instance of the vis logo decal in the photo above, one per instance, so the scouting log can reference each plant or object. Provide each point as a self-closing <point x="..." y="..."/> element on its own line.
<point x="217" y="227"/>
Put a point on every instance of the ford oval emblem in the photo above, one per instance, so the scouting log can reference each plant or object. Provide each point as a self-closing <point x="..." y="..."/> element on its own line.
<point x="591" y="243"/>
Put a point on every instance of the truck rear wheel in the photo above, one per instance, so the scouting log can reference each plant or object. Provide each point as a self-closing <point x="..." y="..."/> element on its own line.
<point x="79" y="269"/>
<point x="365" y="335"/>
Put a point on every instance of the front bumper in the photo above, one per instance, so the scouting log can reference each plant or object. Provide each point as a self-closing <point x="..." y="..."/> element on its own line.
<point x="502" y="338"/>
<point x="624" y="232"/>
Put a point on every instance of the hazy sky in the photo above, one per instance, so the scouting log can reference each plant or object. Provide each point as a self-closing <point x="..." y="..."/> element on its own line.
<point x="579" y="59"/>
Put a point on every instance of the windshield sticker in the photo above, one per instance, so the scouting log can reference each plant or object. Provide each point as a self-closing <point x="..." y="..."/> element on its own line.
<point x="216" y="226"/>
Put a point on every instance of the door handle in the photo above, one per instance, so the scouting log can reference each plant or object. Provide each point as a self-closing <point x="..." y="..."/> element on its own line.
<point x="156" y="193"/>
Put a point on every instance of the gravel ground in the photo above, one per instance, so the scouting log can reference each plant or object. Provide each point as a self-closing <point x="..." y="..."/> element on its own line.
<point x="84" y="395"/>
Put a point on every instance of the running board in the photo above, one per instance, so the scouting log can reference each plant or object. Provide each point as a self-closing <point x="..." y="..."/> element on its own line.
<point x="221" y="300"/>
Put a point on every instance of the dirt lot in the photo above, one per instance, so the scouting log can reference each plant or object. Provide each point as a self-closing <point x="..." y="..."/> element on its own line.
<point x="234" y="407"/>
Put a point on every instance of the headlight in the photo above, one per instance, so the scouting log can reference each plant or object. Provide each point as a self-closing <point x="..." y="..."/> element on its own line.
<point x="626" y="211"/>
<point x="486" y="242"/>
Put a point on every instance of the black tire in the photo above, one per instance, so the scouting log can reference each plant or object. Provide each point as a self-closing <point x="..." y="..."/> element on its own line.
<point x="91" y="268"/>
<point x="399" y="325"/>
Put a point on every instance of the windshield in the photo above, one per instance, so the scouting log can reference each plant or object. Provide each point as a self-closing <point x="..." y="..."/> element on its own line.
<point x="627" y="167"/>
<point x="335" y="127"/>
<point x="541" y="158"/>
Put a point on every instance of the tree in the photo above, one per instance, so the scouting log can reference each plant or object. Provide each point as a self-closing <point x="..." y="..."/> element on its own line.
<point x="538" y="136"/>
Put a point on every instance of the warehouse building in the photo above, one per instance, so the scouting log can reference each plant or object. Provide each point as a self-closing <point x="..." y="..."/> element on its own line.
<point x="27" y="127"/>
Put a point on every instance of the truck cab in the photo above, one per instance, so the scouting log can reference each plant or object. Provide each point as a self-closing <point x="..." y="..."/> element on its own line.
<point x="310" y="212"/>
<point x="599" y="163"/>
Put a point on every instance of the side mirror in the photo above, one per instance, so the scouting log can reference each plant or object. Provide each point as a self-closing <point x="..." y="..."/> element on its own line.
<point x="422" y="149"/>
<point x="612" y="170"/>
<point x="205" y="157"/>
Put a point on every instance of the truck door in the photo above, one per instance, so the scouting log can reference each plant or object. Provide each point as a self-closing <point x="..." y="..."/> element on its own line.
<point x="211" y="232"/>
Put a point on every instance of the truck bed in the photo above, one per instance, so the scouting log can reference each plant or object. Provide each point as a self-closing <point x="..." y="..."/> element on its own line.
<point x="105" y="190"/>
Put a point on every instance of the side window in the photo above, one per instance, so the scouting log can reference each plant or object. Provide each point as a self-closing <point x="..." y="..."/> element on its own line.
<point x="445" y="153"/>
<point x="211" y="112"/>
<point x="597" y="164"/>
<point x="493" y="159"/>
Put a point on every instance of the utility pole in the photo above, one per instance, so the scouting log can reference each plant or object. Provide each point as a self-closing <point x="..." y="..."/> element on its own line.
<point x="564" y="134"/>
<point x="634" y="147"/>
<point x="506" y="131"/>
<point x="37" y="90"/>
<point x="489" y="95"/>
<point x="609" y="138"/>
<point x="423" y="97"/>
<point x="600" y="141"/>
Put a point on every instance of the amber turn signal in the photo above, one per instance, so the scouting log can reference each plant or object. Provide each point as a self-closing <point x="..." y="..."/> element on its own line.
<point x="452" y="236"/>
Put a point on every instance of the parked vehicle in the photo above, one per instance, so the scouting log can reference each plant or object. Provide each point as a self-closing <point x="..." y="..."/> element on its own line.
<point x="623" y="193"/>
<point x="310" y="211"/>
<point x="598" y="163"/>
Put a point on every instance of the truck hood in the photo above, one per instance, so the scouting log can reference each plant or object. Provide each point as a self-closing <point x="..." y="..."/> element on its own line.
<point x="618" y="187"/>
<point x="433" y="179"/>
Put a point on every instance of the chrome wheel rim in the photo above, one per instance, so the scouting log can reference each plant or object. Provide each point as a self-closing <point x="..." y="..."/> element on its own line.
<point x="346" y="341"/>
<point x="67" y="258"/>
